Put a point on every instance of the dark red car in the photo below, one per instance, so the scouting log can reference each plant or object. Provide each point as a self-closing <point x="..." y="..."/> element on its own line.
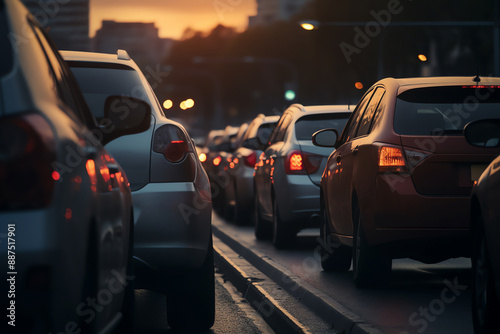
<point x="399" y="182"/>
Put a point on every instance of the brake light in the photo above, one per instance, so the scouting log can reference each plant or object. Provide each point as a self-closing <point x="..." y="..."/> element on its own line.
<point x="390" y="159"/>
<point x="251" y="159"/>
<point x="301" y="163"/>
<point x="171" y="142"/>
<point x="202" y="157"/>
<point x="27" y="178"/>
<point x="217" y="161"/>
<point x="295" y="162"/>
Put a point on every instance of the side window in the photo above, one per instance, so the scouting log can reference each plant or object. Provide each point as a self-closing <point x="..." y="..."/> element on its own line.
<point x="366" y="121"/>
<point x="352" y="127"/>
<point x="63" y="88"/>
<point x="378" y="112"/>
<point x="276" y="133"/>
<point x="284" y="127"/>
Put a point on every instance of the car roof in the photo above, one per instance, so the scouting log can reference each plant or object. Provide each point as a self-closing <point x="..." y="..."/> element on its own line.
<point x="120" y="57"/>
<point x="410" y="83"/>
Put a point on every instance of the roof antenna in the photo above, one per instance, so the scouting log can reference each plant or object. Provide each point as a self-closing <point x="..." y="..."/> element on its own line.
<point x="477" y="79"/>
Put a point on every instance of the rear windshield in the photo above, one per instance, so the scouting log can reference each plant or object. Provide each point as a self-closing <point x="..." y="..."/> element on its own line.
<point x="97" y="83"/>
<point x="306" y="126"/>
<point x="440" y="111"/>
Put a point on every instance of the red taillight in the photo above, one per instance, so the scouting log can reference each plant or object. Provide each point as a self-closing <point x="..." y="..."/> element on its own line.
<point x="26" y="156"/>
<point x="390" y="159"/>
<point x="171" y="142"/>
<point x="217" y="161"/>
<point x="302" y="163"/>
<point x="251" y="159"/>
<point x="295" y="162"/>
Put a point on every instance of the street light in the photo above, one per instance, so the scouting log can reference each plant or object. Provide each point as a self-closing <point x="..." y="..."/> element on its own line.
<point x="168" y="104"/>
<point x="309" y="25"/>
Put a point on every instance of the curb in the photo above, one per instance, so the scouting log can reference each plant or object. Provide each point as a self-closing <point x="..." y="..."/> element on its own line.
<point x="277" y="317"/>
<point x="342" y="319"/>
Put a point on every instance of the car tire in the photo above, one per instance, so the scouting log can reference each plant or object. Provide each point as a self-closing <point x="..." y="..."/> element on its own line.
<point x="485" y="305"/>
<point x="191" y="297"/>
<point x="283" y="234"/>
<point x="370" y="269"/>
<point x="334" y="256"/>
<point x="127" y="324"/>
<point x="263" y="229"/>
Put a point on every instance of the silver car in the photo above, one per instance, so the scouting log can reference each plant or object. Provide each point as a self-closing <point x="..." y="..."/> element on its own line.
<point x="288" y="173"/>
<point x="66" y="224"/>
<point x="170" y="192"/>
<point x="243" y="166"/>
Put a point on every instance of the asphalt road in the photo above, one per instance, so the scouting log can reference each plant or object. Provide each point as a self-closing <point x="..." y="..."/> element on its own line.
<point x="233" y="314"/>
<point x="420" y="298"/>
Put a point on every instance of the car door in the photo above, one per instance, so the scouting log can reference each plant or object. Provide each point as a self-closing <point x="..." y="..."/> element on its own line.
<point x="340" y="169"/>
<point x="109" y="212"/>
<point x="266" y="172"/>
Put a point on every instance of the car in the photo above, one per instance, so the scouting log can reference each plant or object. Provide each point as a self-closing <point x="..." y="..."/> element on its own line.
<point x="399" y="181"/>
<point x="485" y="218"/>
<point x="66" y="215"/>
<point x="219" y="173"/>
<point x="173" y="250"/>
<point x="288" y="173"/>
<point x="243" y="166"/>
<point x="206" y="154"/>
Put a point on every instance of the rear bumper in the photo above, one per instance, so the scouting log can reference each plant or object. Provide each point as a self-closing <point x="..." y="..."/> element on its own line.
<point x="298" y="200"/>
<point x="396" y="214"/>
<point x="172" y="227"/>
<point x="244" y="187"/>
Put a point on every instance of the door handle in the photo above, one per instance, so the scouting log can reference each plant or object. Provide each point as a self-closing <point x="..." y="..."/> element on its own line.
<point x="355" y="151"/>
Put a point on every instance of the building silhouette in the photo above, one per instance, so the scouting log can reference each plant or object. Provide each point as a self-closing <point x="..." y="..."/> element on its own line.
<point x="140" y="39"/>
<point x="67" y="22"/>
<point x="269" y="11"/>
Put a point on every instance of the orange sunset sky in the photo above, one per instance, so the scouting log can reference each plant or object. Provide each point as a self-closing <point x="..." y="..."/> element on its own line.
<point x="173" y="16"/>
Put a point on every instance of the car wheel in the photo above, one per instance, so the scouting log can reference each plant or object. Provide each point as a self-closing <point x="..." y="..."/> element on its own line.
<point x="283" y="234"/>
<point x="191" y="298"/>
<point x="90" y="289"/>
<point x="485" y="305"/>
<point x="128" y="308"/>
<point x="369" y="268"/>
<point x="263" y="230"/>
<point x="334" y="256"/>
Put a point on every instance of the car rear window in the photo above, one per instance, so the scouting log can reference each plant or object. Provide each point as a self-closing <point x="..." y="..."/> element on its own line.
<point x="437" y="111"/>
<point x="97" y="83"/>
<point x="306" y="126"/>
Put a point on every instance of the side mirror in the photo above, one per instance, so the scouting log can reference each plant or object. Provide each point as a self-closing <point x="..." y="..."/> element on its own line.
<point x="222" y="147"/>
<point x="124" y="115"/>
<point x="263" y="136"/>
<point x="483" y="133"/>
<point x="252" y="143"/>
<point x="325" y="138"/>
